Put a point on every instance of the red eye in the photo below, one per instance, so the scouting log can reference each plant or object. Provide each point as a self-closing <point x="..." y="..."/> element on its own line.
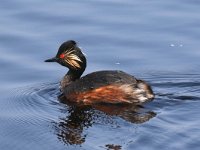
<point x="62" y="56"/>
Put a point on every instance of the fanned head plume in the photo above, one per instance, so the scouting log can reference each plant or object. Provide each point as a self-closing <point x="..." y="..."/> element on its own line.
<point x="71" y="56"/>
<point x="72" y="59"/>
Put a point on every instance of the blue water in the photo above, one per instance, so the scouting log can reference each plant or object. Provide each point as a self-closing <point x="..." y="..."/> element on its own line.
<point x="157" y="41"/>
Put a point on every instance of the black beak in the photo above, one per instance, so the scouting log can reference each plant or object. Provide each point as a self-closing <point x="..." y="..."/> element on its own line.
<point x="54" y="59"/>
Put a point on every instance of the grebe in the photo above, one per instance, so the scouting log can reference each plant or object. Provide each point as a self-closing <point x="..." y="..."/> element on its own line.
<point x="98" y="87"/>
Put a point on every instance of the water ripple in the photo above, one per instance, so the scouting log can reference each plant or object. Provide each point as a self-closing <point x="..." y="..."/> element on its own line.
<point x="38" y="108"/>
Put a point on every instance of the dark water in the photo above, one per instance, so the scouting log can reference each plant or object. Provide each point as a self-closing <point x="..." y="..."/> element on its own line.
<point x="155" y="40"/>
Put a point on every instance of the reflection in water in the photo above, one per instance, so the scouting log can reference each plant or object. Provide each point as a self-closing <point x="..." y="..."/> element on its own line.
<point x="130" y="113"/>
<point x="113" y="147"/>
<point x="70" y="129"/>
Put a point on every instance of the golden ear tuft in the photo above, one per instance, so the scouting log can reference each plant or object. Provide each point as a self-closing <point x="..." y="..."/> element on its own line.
<point x="72" y="59"/>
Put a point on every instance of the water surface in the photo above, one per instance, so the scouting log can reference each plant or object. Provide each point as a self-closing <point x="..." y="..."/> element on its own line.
<point x="157" y="41"/>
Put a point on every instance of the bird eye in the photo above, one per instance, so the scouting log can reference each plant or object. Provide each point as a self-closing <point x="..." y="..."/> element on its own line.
<point x="62" y="56"/>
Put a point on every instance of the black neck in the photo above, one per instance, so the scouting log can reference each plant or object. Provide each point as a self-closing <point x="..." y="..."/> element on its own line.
<point x="74" y="74"/>
<point x="71" y="76"/>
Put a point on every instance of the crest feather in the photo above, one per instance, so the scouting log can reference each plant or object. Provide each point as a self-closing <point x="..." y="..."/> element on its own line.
<point x="72" y="59"/>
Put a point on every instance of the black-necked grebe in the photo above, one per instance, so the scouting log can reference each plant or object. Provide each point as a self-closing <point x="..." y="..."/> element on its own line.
<point x="97" y="87"/>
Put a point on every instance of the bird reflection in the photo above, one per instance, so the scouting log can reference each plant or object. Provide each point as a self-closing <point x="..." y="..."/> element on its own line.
<point x="131" y="113"/>
<point x="70" y="129"/>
